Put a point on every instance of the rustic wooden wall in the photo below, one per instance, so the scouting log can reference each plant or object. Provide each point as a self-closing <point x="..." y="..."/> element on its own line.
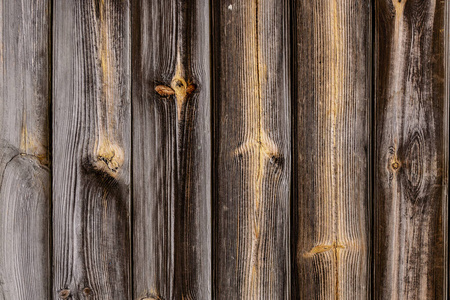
<point x="246" y="149"/>
<point x="25" y="210"/>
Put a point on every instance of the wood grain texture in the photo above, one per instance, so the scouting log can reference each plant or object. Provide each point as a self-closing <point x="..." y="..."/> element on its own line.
<point x="91" y="149"/>
<point x="446" y="162"/>
<point x="171" y="150"/>
<point x="24" y="152"/>
<point x="410" y="177"/>
<point x="252" y="150"/>
<point x="332" y="78"/>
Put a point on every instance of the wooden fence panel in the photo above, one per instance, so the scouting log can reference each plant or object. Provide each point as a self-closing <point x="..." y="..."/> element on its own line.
<point x="24" y="150"/>
<point x="171" y="149"/>
<point x="252" y="150"/>
<point x="410" y="180"/>
<point x="332" y="77"/>
<point x="91" y="149"/>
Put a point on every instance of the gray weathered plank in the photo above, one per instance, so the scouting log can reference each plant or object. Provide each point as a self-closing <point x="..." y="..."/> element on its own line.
<point x="331" y="217"/>
<point x="252" y="150"/>
<point x="24" y="154"/>
<point x="171" y="149"/>
<point x="410" y="165"/>
<point x="91" y="149"/>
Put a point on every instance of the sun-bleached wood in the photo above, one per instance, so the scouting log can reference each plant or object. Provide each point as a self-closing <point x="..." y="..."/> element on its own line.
<point x="25" y="271"/>
<point x="252" y="142"/>
<point x="171" y="149"/>
<point x="411" y="139"/>
<point x="332" y="102"/>
<point x="91" y="149"/>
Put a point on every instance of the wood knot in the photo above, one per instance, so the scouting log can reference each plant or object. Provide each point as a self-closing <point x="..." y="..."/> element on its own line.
<point x="109" y="159"/>
<point x="164" y="91"/>
<point x="395" y="165"/>
<point x="86" y="291"/>
<point x="64" y="294"/>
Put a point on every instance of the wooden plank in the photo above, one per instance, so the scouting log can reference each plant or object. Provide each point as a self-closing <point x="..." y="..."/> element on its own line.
<point x="252" y="150"/>
<point x="24" y="150"/>
<point x="332" y="77"/>
<point x="446" y="162"/>
<point x="411" y="180"/>
<point x="171" y="150"/>
<point x="91" y="149"/>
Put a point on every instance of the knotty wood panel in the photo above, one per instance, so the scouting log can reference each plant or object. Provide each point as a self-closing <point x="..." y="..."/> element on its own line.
<point x="171" y="149"/>
<point x="24" y="150"/>
<point x="332" y="77"/>
<point x="252" y="150"/>
<point x="91" y="149"/>
<point x="410" y="180"/>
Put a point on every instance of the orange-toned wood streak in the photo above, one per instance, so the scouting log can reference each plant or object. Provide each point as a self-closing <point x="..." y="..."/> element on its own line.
<point x="25" y="215"/>
<point x="411" y="172"/>
<point x="91" y="149"/>
<point x="252" y="149"/>
<point x="332" y="79"/>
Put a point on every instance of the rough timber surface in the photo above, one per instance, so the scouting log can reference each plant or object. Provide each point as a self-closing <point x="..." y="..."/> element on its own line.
<point x="411" y="170"/>
<point x="252" y="144"/>
<point x="332" y="102"/>
<point x="91" y="149"/>
<point x="25" y="182"/>
<point x="171" y="149"/>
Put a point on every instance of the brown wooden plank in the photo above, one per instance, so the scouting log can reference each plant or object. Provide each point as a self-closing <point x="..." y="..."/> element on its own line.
<point x="171" y="149"/>
<point x="332" y="78"/>
<point x="91" y="149"/>
<point x="252" y="150"/>
<point x="24" y="150"/>
<point x="411" y="180"/>
<point x="446" y="129"/>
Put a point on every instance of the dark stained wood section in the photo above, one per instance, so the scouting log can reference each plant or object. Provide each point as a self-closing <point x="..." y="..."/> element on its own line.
<point x="251" y="106"/>
<point x="410" y="177"/>
<point x="332" y="101"/>
<point x="24" y="150"/>
<point x="171" y="149"/>
<point x="91" y="149"/>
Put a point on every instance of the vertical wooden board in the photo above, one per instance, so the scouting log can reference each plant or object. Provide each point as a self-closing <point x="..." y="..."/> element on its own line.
<point x="410" y="172"/>
<point x="332" y="92"/>
<point x="171" y="150"/>
<point x="251" y="150"/>
<point x="446" y="147"/>
<point x="91" y="149"/>
<point x="24" y="154"/>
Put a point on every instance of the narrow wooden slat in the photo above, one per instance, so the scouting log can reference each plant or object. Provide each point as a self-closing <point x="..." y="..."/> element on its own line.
<point x="171" y="150"/>
<point x="410" y="177"/>
<point x="252" y="150"/>
<point x="91" y="149"/>
<point x="24" y="154"/>
<point x="446" y="162"/>
<point x="332" y="78"/>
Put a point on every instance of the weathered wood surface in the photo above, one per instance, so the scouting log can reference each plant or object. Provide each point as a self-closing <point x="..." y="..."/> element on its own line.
<point x="332" y="57"/>
<point x="446" y="162"/>
<point x="171" y="149"/>
<point x="91" y="149"/>
<point x="410" y="177"/>
<point x="252" y="150"/>
<point x="24" y="150"/>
